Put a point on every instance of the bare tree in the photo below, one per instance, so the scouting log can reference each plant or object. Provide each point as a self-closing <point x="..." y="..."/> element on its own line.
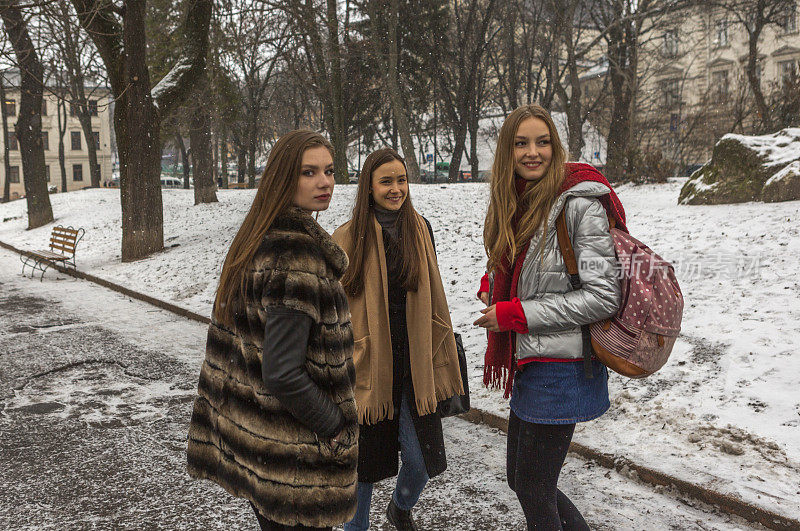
<point x="202" y="151"/>
<point x="6" y="163"/>
<point x="626" y="25"/>
<point x="463" y="49"/>
<point x="567" y="25"/>
<point x="754" y="16"/>
<point x="29" y="124"/>
<point x="385" y="43"/>
<point x="256" y="38"/>
<point x="61" y="114"/>
<point x="75" y="52"/>
<point x="119" y="34"/>
<point x="324" y="54"/>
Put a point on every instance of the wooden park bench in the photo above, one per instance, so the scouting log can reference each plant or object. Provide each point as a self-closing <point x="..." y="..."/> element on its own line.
<point x="63" y="241"/>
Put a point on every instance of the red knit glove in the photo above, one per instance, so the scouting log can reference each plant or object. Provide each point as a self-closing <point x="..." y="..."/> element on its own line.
<point x="511" y="316"/>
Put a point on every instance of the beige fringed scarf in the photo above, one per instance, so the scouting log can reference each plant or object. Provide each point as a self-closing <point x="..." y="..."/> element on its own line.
<point x="432" y="346"/>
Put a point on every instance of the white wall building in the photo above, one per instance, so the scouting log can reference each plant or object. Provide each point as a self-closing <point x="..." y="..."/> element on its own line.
<point x="76" y="154"/>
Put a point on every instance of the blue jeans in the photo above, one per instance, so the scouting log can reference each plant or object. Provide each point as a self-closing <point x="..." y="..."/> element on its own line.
<point x="411" y="479"/>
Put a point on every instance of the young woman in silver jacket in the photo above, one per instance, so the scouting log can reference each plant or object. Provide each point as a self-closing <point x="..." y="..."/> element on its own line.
<point x="534" y="315"/>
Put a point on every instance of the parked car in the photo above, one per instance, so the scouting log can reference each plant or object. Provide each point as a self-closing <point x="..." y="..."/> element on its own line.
<point x="171" y="182"/>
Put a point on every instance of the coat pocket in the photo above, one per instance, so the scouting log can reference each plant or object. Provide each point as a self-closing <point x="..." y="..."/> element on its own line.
<point x="361" y="360"/>
<point x="441" y="347"/>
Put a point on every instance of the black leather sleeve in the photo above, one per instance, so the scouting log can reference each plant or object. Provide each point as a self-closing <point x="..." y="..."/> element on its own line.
<point x="283" y="368"/>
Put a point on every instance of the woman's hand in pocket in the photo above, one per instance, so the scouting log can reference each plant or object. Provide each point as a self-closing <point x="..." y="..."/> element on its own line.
<point x="489" y="319"/>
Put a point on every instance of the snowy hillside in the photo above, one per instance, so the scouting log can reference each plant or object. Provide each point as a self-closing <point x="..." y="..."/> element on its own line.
<point x="725" y="409"/>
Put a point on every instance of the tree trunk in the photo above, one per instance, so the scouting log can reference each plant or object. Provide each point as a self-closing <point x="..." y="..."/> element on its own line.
<point x="510" y="34"/>
<point x="179" y="143"/>
<point x="137" y="120"/>
<point x="572" y="102"/>
<point x="202" y="157"/>
<point x="85" y="120"/>
<point x="460" y="137"/>
<point x="755" y="85"/>
<point x="223" y="158"/>
<point x="138" y="127"/>
<point x="6" y="163"/>
<point x="215" y="159"/>
<point x="241" y="165"/>
<point x="61" y="110"/>
<point x="336" y="107"/>
<point x="473" y="144"/>
<point x="29" y="124"/>
<point x="252" y="145"/>
<point x="392" y="84"/>
<point x="623" y="66"/>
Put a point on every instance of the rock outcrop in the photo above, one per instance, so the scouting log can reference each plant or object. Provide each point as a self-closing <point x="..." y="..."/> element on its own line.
<point x="748" y="168"/>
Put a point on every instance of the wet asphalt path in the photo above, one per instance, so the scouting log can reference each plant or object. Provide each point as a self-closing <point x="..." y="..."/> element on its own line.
<point x="95" y="397"/>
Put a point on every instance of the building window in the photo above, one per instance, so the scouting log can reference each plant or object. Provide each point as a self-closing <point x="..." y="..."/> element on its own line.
<point x="719" y="83"/>
<point x="73" y="109"/>
<point x="671" y="43"/>
<point x="13" y="144"/>
<point x="44" y="107"/>
<point x="92" y="107"/>
<point x="46" y="140"/>
<point x="77" y="172"/>
<point x="789" y="23"/>
<point x="671" y="91"/>
<point x="720" y="33"/>
<point x="96" y="135"/>
<point x="11" y="107"/>
<point x="75" y="139"/>
<point x="13" y="174"/>
<point x="787" y="71"/>
<point x="47" y="172"/>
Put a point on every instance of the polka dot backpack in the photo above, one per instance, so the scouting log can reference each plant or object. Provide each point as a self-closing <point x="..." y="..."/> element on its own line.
<point x="638" y="340"/>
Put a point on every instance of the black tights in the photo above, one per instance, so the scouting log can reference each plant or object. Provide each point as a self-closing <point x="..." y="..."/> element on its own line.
<point x="269" y="525"/>
<point x="535" y="455"/>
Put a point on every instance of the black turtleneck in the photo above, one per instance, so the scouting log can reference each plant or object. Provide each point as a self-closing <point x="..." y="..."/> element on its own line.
<point x="388" y="220"/>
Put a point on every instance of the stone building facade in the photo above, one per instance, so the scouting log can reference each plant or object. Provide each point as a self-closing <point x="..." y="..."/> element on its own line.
<point x="76" y="154"/>
<point x="694" y="87"/>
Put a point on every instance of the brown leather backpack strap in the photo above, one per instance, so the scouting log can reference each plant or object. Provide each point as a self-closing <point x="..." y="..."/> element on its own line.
<point x="565" y="244"/>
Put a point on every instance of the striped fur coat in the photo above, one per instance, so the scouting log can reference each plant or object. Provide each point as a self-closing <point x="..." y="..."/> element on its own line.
<point x="240" y="437"/>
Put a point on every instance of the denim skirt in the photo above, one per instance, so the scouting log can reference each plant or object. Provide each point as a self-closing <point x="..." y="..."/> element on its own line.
<point x="559" y="392"/>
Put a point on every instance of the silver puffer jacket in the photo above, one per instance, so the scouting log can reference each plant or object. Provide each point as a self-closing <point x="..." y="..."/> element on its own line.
<point x="554" y="311"/>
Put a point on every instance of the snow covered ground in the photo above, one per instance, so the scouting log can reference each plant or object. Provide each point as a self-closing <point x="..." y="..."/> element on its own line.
<point x="96" y="393"/>
<point x="724" y="412"/>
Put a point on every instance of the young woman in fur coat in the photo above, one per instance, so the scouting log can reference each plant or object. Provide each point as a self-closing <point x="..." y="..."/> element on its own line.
<point x="405" y="352"/>
<point x="275" y="419"/>
<point x="534" y="314"/>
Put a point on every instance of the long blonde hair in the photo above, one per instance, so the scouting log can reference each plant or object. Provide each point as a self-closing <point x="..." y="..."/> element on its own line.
<point x="275" y="193"/>
<point x="499" y="238"/>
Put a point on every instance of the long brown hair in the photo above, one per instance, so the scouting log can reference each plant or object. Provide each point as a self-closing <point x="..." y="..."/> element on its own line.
<point x="499" y="238"/>
<point x="363" y="231"/>
<point x="275" y="193"/>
